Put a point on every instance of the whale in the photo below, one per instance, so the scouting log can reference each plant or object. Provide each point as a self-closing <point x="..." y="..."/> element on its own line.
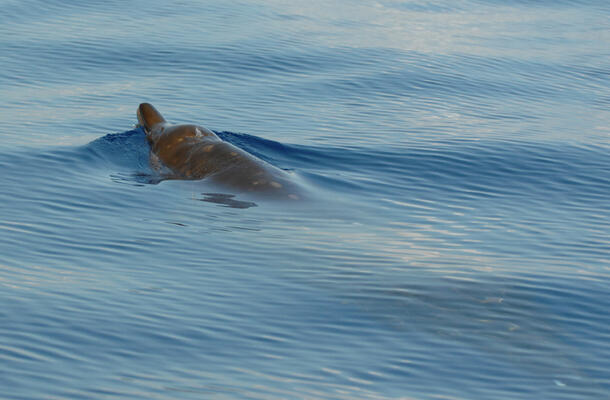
<point x="193" y="152"/>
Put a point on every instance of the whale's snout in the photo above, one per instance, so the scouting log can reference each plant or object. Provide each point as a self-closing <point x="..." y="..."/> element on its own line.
<point x="148" y="116"/>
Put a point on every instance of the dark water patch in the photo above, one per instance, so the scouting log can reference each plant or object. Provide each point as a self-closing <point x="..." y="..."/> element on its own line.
<point x="128" y="149"/>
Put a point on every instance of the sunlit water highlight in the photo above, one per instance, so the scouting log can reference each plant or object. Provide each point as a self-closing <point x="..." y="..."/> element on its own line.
<point x="454" y="242"/>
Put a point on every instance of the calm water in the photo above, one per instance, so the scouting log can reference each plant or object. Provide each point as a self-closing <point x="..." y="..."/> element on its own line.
<point x="456" y="240"/>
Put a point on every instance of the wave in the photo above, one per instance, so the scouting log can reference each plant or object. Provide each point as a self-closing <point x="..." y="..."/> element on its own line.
<point x="453" y="169"/>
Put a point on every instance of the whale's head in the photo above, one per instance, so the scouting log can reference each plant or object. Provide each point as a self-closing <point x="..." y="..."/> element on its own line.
<point x="148" y="117"/>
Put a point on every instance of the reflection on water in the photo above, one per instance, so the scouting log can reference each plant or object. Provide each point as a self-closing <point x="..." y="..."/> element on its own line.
<point x="227" y="200"/>
<point x="455" y="243"/>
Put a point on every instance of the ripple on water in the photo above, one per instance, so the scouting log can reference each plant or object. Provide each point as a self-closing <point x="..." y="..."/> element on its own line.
<point x="455" y="244"/>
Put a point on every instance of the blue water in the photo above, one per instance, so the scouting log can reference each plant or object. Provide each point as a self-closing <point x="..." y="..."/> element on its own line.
<point x="455" y="239"/>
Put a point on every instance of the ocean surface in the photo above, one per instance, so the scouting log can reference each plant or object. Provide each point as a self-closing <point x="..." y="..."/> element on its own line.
<point x="454" y="242"/>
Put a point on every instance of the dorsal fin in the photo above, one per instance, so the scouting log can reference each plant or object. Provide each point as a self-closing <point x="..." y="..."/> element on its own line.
<point x="148" y="116"/>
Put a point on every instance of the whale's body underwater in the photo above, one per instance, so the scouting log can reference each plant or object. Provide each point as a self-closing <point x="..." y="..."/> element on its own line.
<point x="195" y="152"/>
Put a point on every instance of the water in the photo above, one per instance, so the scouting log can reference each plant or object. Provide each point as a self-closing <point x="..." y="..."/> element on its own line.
<point x="455" y="240"/>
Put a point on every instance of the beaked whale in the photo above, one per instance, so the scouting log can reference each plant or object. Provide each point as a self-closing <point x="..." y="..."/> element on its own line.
<point x="195" y="152"/>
